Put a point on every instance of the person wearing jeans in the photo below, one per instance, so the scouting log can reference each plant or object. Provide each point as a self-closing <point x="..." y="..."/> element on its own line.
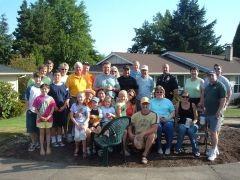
<point x="165" y="111"/>
<point x="187" y="115"/>
<point x="167" y="128"/>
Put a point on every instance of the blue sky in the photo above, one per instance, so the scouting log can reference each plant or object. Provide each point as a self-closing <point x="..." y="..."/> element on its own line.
<point x="113" y="21"/>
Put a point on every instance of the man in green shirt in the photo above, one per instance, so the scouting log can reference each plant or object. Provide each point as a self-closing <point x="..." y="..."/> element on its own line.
<point x="214" y="101"/>
<point x="144" y="124"/>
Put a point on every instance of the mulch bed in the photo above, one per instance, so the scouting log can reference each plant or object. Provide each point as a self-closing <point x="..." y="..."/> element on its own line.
<point x="229" y="147"/>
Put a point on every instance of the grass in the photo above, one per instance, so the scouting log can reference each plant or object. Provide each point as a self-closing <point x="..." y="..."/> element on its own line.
<point x="12" y="127"/>
<point x="232" y="112"/>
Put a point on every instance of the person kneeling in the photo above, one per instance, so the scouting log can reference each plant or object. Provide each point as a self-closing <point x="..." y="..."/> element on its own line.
<point x="143" y="128"/>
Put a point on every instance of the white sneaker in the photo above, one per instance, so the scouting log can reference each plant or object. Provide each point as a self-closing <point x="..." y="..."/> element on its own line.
<point x="167" y="152"/>
<point x="160" y="151"/>
<point x="212" y="156"/>
<point x="217" y="151"/>
<point x="209" y="151"/>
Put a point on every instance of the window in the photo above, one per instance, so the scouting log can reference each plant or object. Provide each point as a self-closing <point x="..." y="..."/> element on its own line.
<point x="236" y="88"/>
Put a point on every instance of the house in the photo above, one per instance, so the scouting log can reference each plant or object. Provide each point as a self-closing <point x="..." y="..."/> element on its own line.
<point x="11" y="75"/>
<point x="180" y="64"/>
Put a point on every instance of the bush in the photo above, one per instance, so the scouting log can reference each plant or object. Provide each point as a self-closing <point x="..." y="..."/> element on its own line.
<point x="10" y="105"/>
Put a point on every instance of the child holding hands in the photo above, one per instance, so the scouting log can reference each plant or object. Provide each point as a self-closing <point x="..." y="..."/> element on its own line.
<point x="79" y="114"/>
<point x="44" y="107"/>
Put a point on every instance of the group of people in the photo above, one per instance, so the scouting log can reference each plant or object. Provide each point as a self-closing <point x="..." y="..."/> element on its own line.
<point x="78" y="105"/>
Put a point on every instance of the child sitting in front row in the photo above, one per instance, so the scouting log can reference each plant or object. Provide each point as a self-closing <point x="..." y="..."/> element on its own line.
<point x="80" y="114"/>
<point x="121" y="103"/>
<point x="45" y="106"/>
<point x="108" y="111"/>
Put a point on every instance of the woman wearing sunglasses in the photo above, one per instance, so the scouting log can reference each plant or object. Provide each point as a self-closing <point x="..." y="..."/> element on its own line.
<point x="186" y="112"/>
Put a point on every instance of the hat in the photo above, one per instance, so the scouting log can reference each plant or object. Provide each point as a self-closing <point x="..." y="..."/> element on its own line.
<point x="211" y="72"/>
<point x="144" y="67"/>
<point x="90" y="91"/>
<point x="144" y="100"/>
<point x="96" y="99"/>
<point x="86" y="63"/>
<point x="126" y="67"/>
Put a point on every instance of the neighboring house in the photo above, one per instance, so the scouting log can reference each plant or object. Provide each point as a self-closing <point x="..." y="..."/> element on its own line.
<point x="180" y="64"/>
<point x="11" y="75"/>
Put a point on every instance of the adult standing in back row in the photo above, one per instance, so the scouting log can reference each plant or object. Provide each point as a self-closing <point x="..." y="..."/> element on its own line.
<point x="145" y="85"/>
<point x="106" y="82"/>
<point x="127" y="82"/>
<point x="169" y="83"/>
<point x="194" y="86"/>
<point x="214" y="101"/>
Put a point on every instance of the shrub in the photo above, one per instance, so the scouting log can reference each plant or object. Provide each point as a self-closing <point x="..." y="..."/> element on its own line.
<point x="10" y="105"/>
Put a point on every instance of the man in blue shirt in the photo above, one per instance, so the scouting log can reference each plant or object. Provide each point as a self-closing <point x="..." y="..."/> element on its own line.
<point x="145" y="85"/>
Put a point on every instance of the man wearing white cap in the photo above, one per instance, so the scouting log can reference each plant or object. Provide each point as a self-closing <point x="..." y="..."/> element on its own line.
<point x="145" y="85"/>
<point x="144" y="123"/>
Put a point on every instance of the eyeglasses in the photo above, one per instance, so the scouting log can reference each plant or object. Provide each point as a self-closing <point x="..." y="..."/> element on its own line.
<point x="64" y="69"/>
<point x="113" y="71"/>
<point x="159" y="92"/>
<point x="185" y="96"/>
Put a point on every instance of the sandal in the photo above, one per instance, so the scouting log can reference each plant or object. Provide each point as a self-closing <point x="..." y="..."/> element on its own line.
<point x="144" y="160"/>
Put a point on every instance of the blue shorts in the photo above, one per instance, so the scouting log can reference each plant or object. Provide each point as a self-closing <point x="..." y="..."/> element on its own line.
<point x="31" y="118"/>
<point x="214" y="123"/>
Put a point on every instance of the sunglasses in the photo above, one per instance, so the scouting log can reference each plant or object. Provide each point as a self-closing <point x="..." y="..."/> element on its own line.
<point x="131" y="95"/>
<point x="217" y="69"/>
<point x="185" y="96"/>
<point x="64" y="69"/>
<point x="159" y="92"/>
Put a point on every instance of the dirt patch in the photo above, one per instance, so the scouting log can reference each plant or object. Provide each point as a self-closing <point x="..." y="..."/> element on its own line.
<point x="229" y="146"/>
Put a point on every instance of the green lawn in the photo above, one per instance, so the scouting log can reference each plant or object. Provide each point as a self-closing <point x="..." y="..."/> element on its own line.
<point x="13" y="125"/>
<point x="232" y="112"/>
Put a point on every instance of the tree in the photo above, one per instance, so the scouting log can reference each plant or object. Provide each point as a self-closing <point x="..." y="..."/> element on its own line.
<point x="23" y="43"/>
<point x="186" y="30"/>
<point x="236" y="42"/>
<point x="149" y="38"/>
<point x="190" y="33"/>
<point x="56" y="29"/>
<point x="5" y="41"/>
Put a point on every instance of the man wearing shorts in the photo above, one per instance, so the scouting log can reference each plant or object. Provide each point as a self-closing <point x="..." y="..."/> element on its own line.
<point x="143" y="128"/>
<point x="214" y="101"/>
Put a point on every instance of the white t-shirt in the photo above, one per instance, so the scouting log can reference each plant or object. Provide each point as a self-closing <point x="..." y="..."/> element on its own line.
<point x="83" y="111"/>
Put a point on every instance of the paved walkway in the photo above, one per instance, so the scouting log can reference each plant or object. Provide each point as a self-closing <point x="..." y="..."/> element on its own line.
<point x="23" y="170"/>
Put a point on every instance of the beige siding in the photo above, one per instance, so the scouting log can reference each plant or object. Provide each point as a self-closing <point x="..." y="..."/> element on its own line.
<point x="116" y="60"/>
<point x="11" y="79"/>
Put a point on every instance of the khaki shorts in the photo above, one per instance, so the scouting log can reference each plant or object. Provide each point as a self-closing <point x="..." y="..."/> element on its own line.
<point x="44" y="124"/>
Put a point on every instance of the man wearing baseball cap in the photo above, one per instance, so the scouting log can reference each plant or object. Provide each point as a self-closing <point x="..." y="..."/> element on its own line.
<point x="214" y="101"/>
<point x="145" y="85"/>
<point x="144" y="123"/>
<point x="127" y="82"/>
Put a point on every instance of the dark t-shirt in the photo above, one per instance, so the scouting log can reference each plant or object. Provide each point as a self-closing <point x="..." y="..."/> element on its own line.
<point x="212" y="95"/>
<point x="127" y="83"/>
<point x="185" y="113"/>
<point x="169" y="83"/>
<point x="59" y="93"/>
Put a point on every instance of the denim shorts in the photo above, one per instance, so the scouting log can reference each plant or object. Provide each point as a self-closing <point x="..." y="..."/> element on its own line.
<point x="31" y="118"/>
<point x="214" y="123"/>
